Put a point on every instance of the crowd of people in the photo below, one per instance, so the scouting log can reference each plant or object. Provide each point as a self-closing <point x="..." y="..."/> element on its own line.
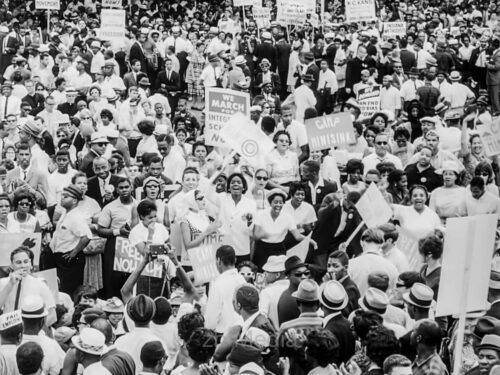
<point x="103" y="152"/>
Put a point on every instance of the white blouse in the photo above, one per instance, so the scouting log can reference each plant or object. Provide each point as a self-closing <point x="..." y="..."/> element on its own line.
<point x="275" y="230"/>
<point x="283" y="168"/>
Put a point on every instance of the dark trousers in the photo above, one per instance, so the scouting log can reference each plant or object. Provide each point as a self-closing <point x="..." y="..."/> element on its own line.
<point x="132" y="146"/>
<point x="112" y="280"/>
<point x="172" y="102"/>
<point x="493" y="93"/>
<point x="70" y="273"/>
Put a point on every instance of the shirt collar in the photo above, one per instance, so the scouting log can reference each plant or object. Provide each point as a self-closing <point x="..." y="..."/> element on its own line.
<point x="327" y="319"/>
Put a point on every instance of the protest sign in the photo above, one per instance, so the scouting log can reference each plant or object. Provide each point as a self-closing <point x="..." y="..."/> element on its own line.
<point x="360" y="10"/>
<point x="468" y="247"/>
<point x="246" y="138"/>
<point x="291" y="12"/>
<point x="301" y="249"/>
<point x="203" y="259"/>
<point x="368" y="99"/>
<point x="48" y="4"/>
<point x="127" y="259"/>
<point x="11" y="241"/>
<point x="221" y="105"/>
<point x="262" y="16"/>
<point x="50" y="278"/>
<point x="242" y="3"/>
<point x="112" y="24"/>
<point x="112" y="3"/>
<point x="10" y="319"/>
<point x="324" y="132"/>
<point x="490" y="135"/>
<point x="310" y="6"/>
<point x="394" y="29"/>
<point x="373" y="208"/>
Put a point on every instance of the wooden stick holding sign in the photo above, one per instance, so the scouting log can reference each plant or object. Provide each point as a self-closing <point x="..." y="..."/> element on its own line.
<point x="353" y="234"/>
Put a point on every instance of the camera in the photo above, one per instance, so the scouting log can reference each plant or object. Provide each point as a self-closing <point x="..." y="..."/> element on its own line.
<point x="156" y="250"/>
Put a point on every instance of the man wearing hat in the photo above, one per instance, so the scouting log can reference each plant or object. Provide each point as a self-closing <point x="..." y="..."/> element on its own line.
<point x="355" y="66"/>
<point x="11" y="335"/>
<point x="236" y="78"/>
<point x="307" y="299"/>
<point x="410" y="87"/>
<point x="71" y="236"/>
<point x="97" y="61"/>
<point x="478" y="59"/>
<point x="494" y="295"/>
<point x="459" y="93"/>
<point x="266" y="75"/>
<point x="296" y="271"/>
<point x="111" y="79"/>
<point x="90" y="345"/>
<point x="98" y="144"/>
<point x="267" y="50"/>
<point x="276" y="284"/>
<point x="303" y="97"/>
<point x="488" y="353"/>
<point x="310" y="68"/>
<point x="9" y="104"/>
<point x="334" y="299"/>
<point x="141" y="309"/>
<point x="34" y="313"/>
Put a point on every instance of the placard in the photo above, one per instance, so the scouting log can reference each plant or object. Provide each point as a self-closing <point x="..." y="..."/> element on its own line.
<point x="11" y="241"/>
<point x="112" y="24"/>
<point x="50" y="278"/>
<point x="368" y="99"/>
<point x="394" y="29"/>
<point x="262" y="16"/>
<point x="467" y="253"/>
<point x="242" y="3"/>
<point x="373" y="208"/>
<point x="203" y="259"/>
<point x="128" y="258"/>
<point x="301" y="249"/>
<point x="310" y="6"/>
<point x="490" y="135"/>
<point x="360" y="10"/>
<point x="221" y="104"/>
<point x="291" y="12"/>
<point x="246" y="138"/>
<point x="324" y="132"/>
<point x="48" y="4"/>
<point x="112" y="3"/>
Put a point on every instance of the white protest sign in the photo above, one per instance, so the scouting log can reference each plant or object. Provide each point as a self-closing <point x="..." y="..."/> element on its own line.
<point x="127" y="259"/>
<point x="203" y="259"/>
<point x="221" y="105"/>
<point x="246" y="138"/>
<point x="48" y="4"/>
<point x="242" y="3"/>
<point x="310" y="6"/>
<point x="112" y="24"/>
<point x="50" y="278"/>
<point x="466" y="264"/>
<point x="291" y="12"/>
<point x="325" y="132"/>
<point x="360" y="10"/>
<point x="262" y="16"/>
<point x="112" y="3"/>
<point x="301" y="249"/>
<point x="368" y="99"/>
<point x="490" y="135"/>
<point x="373" y="208"/>
<point x="394" y="29"/>
<point x="11" y="241"/>
<point x="10" y="319"/>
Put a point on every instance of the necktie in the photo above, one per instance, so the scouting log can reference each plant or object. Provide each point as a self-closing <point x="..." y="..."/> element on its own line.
<point x="168" y="75"/>
<point x="175" y="45"/>
<point x="6" y="106"/>
<point x="18" y="295"/>
<point x="24" y="175"/>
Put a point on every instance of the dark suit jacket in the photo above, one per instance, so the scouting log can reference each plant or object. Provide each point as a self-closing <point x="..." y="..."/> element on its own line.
<point x="341" y="328"/>
<point x="69" y="109"/>
<point x="314" y="70"/>
<point x="353" y="294"/>
<point x="283" y="50"/>
<point x="331" y="51"/>
<point x="129" y="80"/>
<point x="94" y="191"/>
<point x="493" y="75"/>
<point x="267" y="51"/>
<point x="137" y="53"/>
<point x="473" y="56"/>
<point x="275" y="79"/>
<point x="408" y="60"/>
<point x="171" y="85"/>
<point x="494" y="310"/>
<point x="354" y="68"/>
<point x="321" y="193"/>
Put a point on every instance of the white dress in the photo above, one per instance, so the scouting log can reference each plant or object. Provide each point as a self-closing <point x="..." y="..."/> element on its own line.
<point x="414" y="226"/>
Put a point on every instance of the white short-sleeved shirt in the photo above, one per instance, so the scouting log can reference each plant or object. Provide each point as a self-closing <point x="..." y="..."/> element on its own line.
<point x="304" y="214"/>
<point x="276" y="230"/>
<point x="139" y="234"/>
<point x="116" y="214"/>
<point x="70" y="228"/>
<point x="282" y="168"/>
<point x="29" y="286"/>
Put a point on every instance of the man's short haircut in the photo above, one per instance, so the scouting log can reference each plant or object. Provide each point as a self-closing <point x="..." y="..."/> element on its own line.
<point x="395" y="360"/>
<point x="341" y="256"/>
<point x="226" y="254"/>
<point x="373" y="235"/>
<point x="248" y="297"/>
<point x="29" y="357"/>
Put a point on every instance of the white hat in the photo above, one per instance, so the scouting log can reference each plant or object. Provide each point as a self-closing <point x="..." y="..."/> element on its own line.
<point x="63" y="119"/>
<point x="420" y="295"/>
<point x="43" y="48"/>
<point x="251" y="368"/>
<point x="90" y="341"/>
<point x="329" y="36"/>
<point x="449" y="165"/>
<point x="213" y="30"/>
<point x="96" y="44"/>
<point x="374" y="300"/>
<point x="4" y="29"/>
<point x="98" y="137"/>
<point x="275" y="263"/>
<point x="10" y="319"/>
<point x="33" y="307"/>
<point x="176" y="29"/>
<point x="239" y="60"/>
<point x="256" y="108"/>
<point x="333" y="295"/>
<point x="266" y="35"/>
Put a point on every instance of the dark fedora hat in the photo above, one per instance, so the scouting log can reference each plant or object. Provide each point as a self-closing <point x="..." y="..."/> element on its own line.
<point x="293" y="263"/>
<point x="141" y="309"/>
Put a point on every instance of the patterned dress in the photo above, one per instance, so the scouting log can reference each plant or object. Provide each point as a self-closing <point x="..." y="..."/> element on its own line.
<point x="193" y="72"/>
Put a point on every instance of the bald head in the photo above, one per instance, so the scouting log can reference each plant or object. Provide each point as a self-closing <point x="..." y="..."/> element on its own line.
<point x="105" y="328"/>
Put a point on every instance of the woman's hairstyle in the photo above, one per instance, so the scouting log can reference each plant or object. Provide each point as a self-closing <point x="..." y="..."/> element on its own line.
<point x="241" y="177"/>
<point x="188" y="323"/>
<point x="379" y="114"/>
<point x="145" y="207"/>
<point x="5" y="197"/>
<point x="401" y="132"/>
<point x="297" y="186"/>
<point x="484" y="166"/>
<point x="88" y="291"/>
<point x="431" y="245"/>
<point x="146" y="127"/>
<point x="323" y="346"/>
<point x="380" y="344"/>
<point x="354" y="165"/>
<point x="279" y="133"/>
<point x="385" y="167"/>
<point x="395" y="176"/>
<point x="199" y="144"/>
<point x="373" y="129"/>
<point x="249" y="264"/>
<point x="421" y="187"/>
<point x="201" y="345"/>
<point x="373" y="235"/>
<point x="107" y="113"/>
<point x="364" y="321"/>
<point x="271" y="197"/>
<point x="23" y="195"/>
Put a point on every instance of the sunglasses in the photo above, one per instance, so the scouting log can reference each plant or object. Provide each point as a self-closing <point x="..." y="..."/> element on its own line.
<point x="261" y="178"/>
<point x="484" y="174"/>
<point x="300" y="274"/>
<point x="382" y="143"/>
<point x="24" y="204"/>
<point x="101" y="144"/>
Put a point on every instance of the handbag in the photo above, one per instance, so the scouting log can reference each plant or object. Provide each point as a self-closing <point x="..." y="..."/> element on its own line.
<point x="95" y="246"/>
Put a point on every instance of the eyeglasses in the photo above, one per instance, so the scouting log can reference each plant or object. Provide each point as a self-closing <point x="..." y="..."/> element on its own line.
<point x="300" y="274"/>
<point x="484" y="174"/>
<point x="85" y="118"/>
<point x="248" y="274"/>
<point x="284" y="141"/>
<point x="261" y="178"/>
<point x="101" y="144"/>
<point x="151" y="186"/>
<point x="200" y="198"/>
<point x="382" y="143"/>
<point x="24" y="204"/>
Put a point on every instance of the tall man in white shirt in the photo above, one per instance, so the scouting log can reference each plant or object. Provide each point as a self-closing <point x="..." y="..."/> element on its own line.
<point x="9" y="105"/>
<point x="409" y="88"/>
<point x="381" y="154"/>
<point x="390" y="97"/>
<point x="327" y="88"/>
<point x="219" y="312"/>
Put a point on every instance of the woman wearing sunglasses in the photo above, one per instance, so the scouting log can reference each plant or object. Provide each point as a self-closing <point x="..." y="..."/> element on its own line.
<point x="258" y="190"/>
<point x="22" y="220"/>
